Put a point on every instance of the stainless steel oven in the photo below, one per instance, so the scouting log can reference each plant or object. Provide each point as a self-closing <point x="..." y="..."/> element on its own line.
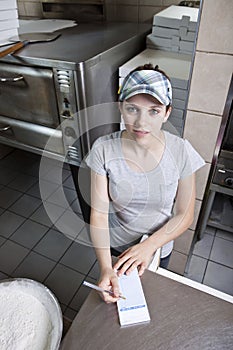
<point x="29" y="110"/>
<point x="46" y="87"/>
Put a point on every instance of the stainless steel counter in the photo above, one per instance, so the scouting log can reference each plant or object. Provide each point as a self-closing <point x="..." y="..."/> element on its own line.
<point x="78" y="44"/>
<point x="182" y="317"/>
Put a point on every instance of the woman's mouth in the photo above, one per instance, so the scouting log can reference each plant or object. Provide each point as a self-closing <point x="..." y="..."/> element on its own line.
<point x="141" y="133"/>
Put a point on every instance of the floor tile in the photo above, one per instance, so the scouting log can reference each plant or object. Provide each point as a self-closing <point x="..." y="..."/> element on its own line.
<point x="25" y="205"/>
<point x="7" y="175"/>
<point x="197" y="268"/>
<point x="222" y="252"/>
<point x="9" y="222"/>
<point x="81" y="295"/>
<point x="3" y="276"/>
<point x="32" y="168"/>
<point x="203" y="247"/>
<point x="29" y="233"/>
<point x="79" y="257"/>
<point x="219" y="277"/>
<point x="11" y="255"/>
<point x="56" y="175"/>
<point x="69" y="182"/>
<point x="19" y="160"/>
<point x="42" y="189"/>
<point x="71" y="224"/>
<point x="94" y="273"/>
<point x="84" y="238"/>
<point x="62" y="196"/>
<point x="64" y="283"/>
<point x="22" y="182"/>
<point x="70" y="313"/>
<point x="210" y="230"/>
<point x="53" y="245"/>
<point x="47" y="214"/>
<point x="34" y="266"/>
<point x="224" y="234"/>
<point x="2" y="240"/>
<point x="75" y="206"/>
<point x="8" y="196"/>
<point x="5" y="150"/>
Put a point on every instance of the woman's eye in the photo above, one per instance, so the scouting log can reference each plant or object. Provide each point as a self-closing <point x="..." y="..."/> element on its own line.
<point x="131" y="109"/>
<point x="154" y="112"/>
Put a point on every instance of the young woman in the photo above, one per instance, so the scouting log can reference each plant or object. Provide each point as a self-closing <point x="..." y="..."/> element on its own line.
<point x="142" y="181"/>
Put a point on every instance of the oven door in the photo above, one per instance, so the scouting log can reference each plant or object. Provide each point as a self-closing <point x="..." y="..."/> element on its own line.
<point x="28" y="108"/>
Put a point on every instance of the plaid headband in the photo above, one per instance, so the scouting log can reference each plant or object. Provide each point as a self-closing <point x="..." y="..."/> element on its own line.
<point x="148" y="82"/>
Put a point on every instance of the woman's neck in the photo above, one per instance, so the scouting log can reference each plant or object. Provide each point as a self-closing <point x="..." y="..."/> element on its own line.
<point x="141" y="158"/>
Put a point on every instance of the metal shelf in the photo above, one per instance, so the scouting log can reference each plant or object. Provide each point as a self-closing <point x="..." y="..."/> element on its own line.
<point x="220" y="226"/>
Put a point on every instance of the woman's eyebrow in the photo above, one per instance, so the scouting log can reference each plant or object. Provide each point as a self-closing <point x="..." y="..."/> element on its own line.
<point x="139" y="106"/>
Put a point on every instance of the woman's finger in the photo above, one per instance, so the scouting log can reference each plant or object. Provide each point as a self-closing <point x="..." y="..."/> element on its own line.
<point x="122" y="260"/>
<point x="128" y="267"/>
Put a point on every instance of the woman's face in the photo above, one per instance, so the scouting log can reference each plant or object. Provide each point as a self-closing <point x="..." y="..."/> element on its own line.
<point x="143" y="116"/>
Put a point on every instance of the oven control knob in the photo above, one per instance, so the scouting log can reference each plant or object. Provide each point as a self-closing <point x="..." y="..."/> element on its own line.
<point x="70" y="132"/>
<point x="229" y="181"/>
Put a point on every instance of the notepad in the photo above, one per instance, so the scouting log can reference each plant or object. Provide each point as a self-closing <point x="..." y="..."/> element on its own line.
<point x="134" y="308"/>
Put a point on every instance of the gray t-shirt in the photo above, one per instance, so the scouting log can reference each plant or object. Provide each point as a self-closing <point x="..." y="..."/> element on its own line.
<point x="141" y="202"/>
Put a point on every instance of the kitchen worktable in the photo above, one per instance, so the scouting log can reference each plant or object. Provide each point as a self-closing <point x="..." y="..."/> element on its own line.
<point x="182" y="317"/>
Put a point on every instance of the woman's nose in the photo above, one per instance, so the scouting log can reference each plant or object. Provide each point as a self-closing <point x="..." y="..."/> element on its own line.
<point x="142" y="117"/>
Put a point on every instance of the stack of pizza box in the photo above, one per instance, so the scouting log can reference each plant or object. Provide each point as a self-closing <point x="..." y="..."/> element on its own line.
<point x="9" y="22"/>
<point x="174" y="29"/>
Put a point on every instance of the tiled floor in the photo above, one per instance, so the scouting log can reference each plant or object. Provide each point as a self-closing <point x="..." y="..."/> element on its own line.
<point x="34" y="244"/>
<point x="211" y="262"/>
<point x="45" y="245"/>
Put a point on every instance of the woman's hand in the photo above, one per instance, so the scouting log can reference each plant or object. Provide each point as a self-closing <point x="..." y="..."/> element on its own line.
<point x="109" y="281"/>
<point x="139" y="255"/>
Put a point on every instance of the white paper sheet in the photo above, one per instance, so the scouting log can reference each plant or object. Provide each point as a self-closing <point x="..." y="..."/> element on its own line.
<point x="44" y="25"/>
<point x="134" y="308"/>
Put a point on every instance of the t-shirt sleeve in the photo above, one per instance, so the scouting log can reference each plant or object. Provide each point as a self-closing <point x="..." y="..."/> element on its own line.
<point x="192" y="161"/>
<point x="95" y="158"/>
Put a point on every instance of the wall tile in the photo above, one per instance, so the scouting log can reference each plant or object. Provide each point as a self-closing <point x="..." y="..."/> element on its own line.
<point x="202" y="130"/>
<point x="122" y="13"/>
<point x="183" y="243"/>
<point x="151" y="2"/>
<point x="177" y="262"/>
<point x="121" y="2"/>
<point x="210" y="82"/>
<point x="111" y="12"/>
<point x="33" y="9"/>
<point x="201" y="180"/>
<point x="216" y="30"/>
<point x="146" y="13"/>
<point x="21" y="9"/>
<point x="170" y="2"/>
<point x="196" y="214"/>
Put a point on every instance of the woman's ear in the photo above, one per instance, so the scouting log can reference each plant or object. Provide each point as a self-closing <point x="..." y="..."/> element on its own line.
<point x="120" y="106"/>
<point x="168" y="112"/>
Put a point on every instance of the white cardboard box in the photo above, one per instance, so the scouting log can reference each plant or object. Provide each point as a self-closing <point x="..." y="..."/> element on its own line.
<point x="8" y="4"/>
<point x="8" y="14"/>
<point x="176" y="17"/>
<point x="9" y="24"/>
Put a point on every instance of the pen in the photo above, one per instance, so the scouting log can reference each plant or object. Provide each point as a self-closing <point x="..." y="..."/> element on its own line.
<point x="93" y="286"/>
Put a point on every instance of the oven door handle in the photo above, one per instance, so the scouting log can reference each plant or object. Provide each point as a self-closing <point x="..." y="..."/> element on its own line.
<point x="4" y="127"/>
<point x="12" y="79"/>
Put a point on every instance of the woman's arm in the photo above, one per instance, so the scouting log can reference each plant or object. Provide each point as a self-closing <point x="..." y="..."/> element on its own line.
<point x="140" y="254"/>
<point x="100" y="235"/>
